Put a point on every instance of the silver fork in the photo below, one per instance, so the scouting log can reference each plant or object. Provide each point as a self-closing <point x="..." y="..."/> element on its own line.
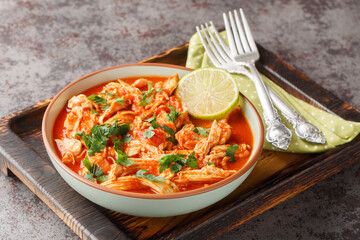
<point x="222" y="57"/>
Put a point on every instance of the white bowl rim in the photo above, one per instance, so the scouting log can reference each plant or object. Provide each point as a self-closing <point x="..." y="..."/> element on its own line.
<point x="250" y="163"/>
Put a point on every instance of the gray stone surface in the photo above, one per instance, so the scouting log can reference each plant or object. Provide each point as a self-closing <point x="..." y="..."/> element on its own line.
<point x="44" y="45"/>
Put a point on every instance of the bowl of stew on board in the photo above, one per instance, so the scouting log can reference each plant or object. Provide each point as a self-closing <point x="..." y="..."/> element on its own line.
<point x="122" y="138"/>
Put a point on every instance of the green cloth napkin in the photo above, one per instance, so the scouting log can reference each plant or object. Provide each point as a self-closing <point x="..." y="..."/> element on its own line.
<point x="336" y="130"/>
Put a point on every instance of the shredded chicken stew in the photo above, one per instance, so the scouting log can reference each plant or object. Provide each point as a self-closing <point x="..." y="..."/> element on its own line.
<point x="135" y="135"/>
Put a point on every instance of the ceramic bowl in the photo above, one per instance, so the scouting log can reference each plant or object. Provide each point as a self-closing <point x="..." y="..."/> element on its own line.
<point x="140" y="204"/>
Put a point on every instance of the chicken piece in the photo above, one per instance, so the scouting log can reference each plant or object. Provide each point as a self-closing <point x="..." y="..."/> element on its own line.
<point x="205" y="144"/>
<point x="182" y="119"/>
<point x="80" y="117"/>
<point x="219" y="133"/>
<point x="219" y="158"/>
<point x="131" y="183"/>
<point x="80" y="101"/>
<point x="205" y="174"/>
<point x="151" y="164"/>
<point x="142" y="149"/>
<point x="187" y="138"/>
<point x="141" y="83"/>
<point x="71" y="150"/>
<point x="115" y="171"/>
<point x="225" y="131"/>
<point x="113" y="109"/>
<point x="170" y="84"/>
<point x="122" y="117"/>
<point x="100" y="159"/>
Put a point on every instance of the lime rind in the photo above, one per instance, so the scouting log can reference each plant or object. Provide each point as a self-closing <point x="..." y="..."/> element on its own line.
<point x="208" y="93"/>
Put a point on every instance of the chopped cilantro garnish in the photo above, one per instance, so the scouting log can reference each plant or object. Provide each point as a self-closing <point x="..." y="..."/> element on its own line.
<point x="192" y="161"/>
<point x="118" y="130"/>
<point x="120" y="100"/>
<point x="178" y="161"/>
<point x="109" y="94"/>
<point x="173" y="115"/>
<point x="97" y="141"/>
<point x="104" y="106"/>
<point x="149" y="133"/>
<point x="94" y="112"/>
<point x="127" y="138"/>
<point x="122" y="158"/>
<point x="166" y="161"/>
<point x="153" y="122"/>
<point x="168" y="130"/>
<point x="103" y="178"/>
<point x="151" y="177"/>
<point x="201" y="131"/>
<point x="209" y="163"/>
<point x="230" y="152"/>
<point x="173" y="140"/>
<point x="94" y="171"/>
<point x="146" y="99"/>
<point x="159" y="90"/>
<point x="97" y="99"/>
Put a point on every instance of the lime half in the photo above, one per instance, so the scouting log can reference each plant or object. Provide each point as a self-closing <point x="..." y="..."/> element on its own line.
<point x="208" y="93"/>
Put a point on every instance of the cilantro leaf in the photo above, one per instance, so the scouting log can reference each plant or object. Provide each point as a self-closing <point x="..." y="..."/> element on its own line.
<point x="230" y="152"/>
<point x="153" y="122"/>
<point x="89" y="176"/>
<point x="122" y="158"/>
<point x="127" y="138"/>
<point x="97" y="99"/>
<point x="104" y="106"/>
<point x="118" y="130"/>
<point x="168" y="130"/>
<point x="109" y="94"/>
<point x="95" y="142"/>
<point x="94" y="112"/>
<point x="209" y="163"/>
<point x="120" y="100"/>
<point x="118" y="144"/>
<point x="175" y="167"/>
<point x="102" y="178"/>
<point x="149" y="133"/>
<point x="166" y="160"/>
<point x="97" y="170"/>
<point x="87" y="163"/>
<point x="146" y="99"/>
<point x="173" y="115"/>
<point x="192" y="161"/>
<point x="201" y="131"/>
<point x="153" y="118"/>
<point x="159" y="90"/>
<point x="173" y="140"/>
<point x="176" y="161"/>
<point x="151" y="177"/>
<point x="94" y="170"/>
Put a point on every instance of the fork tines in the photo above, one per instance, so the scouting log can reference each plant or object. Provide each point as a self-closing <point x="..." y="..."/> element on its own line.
<point x="213" y="43"/>
<point x="240" y="31"/>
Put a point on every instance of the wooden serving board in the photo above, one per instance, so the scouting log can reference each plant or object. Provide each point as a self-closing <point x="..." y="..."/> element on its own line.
<point x="277" y="176"/>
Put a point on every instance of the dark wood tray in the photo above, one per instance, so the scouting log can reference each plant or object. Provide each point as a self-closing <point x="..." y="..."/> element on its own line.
<point x="277" y="176"/>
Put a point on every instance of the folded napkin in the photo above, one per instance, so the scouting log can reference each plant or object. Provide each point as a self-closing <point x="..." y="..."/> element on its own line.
<point x="336" y="130"/>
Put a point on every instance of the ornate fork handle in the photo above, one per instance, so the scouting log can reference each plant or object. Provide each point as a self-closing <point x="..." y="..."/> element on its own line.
<point x="303" y="129"/>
